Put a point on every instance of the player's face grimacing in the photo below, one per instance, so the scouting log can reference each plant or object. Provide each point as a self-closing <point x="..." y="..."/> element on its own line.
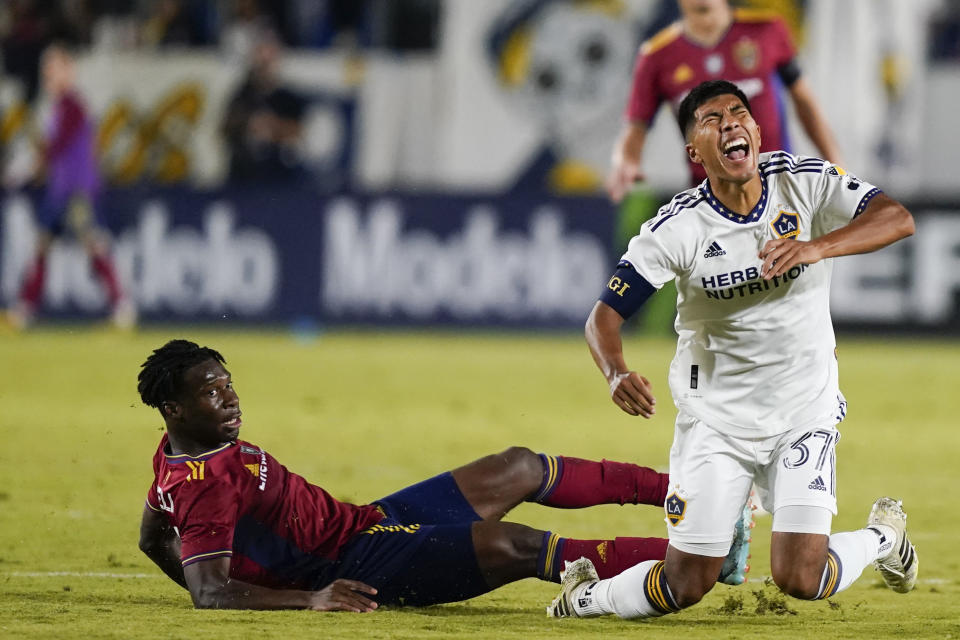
<point x="209" y="410"/>
<point x="725" y="140"/>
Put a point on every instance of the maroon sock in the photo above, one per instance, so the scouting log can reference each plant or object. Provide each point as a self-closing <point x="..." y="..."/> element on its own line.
<point x="32" y="289"/>
<point x="609" y="557"/>
<point x="572" y="483"/>
<point x="103" y="265"/>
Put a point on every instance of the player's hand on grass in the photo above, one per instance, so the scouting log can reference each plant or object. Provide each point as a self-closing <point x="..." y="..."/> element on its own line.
<point x="633" y="394"/>
<point x="344" y="595"/>
<point x="622" y="177"/>
<point x="780" y="255"/>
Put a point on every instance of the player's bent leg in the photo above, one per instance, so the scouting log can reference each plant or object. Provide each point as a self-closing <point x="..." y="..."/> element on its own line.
<point x="797" y="562"/>
<point x="507" y="551"/>
<point x="848" y="553"/>
<point x="642" y="591"/>
<point x="495" y="484"/>
<point x="690" y="576"/>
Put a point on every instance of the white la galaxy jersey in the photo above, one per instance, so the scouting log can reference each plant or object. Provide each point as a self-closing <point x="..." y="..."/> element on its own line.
<point x="754" y="357"/>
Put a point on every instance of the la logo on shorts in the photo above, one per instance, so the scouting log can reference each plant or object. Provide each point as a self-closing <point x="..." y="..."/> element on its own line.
<point x="676" y="507"/>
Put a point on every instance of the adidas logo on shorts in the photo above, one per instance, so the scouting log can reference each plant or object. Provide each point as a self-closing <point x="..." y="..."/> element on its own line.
<point x="817" y="484"/>
<point x="714" y="250"/>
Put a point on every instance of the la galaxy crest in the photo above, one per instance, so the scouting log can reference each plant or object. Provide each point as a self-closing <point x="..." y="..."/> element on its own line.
<point x="786" y="224"/>
<point x="676" y="508"/>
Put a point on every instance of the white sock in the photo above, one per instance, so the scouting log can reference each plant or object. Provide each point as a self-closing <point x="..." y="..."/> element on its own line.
<point x="850" y="553"/>
<point x="626" y="594"/>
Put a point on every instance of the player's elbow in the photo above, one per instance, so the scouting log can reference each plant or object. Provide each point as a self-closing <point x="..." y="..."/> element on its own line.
<point x="905" y="224"/>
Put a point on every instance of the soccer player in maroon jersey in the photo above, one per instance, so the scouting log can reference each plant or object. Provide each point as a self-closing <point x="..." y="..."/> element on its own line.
<point x="69" y="204"/>
<point x="712" y="41"/>
<point x="232" y="525"/>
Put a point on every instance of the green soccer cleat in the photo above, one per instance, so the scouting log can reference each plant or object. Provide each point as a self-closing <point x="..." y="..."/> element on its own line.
<point x="735" y="567"/>
<point x="574" y="574"/>
<point x="899" y="566"/>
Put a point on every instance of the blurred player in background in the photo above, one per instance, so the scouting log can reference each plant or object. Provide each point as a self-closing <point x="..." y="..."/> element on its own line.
<point x="68" y="159"/>
<point x="228" y="522"/>
<point x="755" y="375"/>
<point x="750" y="48"/>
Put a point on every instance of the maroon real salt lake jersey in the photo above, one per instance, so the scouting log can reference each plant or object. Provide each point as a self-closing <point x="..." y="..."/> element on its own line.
<point x="237" y="501"/>
<point x="756" y="54"/>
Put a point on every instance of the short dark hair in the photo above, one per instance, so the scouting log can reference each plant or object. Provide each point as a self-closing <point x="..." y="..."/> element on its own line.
<point x="702" y="93"/>
<point x="161" y="376"/>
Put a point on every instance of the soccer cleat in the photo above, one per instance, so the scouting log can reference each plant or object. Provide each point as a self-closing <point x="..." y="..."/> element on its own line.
<point x="574" y="574"/>
<point x="735" y="567"/>
<point x="899" y="566"/>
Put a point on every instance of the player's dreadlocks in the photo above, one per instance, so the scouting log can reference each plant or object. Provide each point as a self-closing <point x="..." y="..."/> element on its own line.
<point x="162" y="373"/>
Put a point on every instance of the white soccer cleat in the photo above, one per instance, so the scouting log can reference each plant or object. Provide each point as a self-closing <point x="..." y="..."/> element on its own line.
<point x="899" y="566"/>
<point x="574" y="574"/>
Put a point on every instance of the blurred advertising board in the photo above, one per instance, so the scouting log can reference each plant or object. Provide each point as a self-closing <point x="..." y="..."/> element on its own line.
<point x="280" y="256"/>
<point x="287" y="256"/>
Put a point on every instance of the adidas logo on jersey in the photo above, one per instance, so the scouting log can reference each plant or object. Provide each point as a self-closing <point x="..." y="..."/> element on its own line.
<point x="817" y="484"/>
<point x="714" y="250"/>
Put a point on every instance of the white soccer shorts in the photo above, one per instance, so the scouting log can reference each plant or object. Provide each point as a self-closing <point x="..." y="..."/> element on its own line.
<point x="711" y="475"/>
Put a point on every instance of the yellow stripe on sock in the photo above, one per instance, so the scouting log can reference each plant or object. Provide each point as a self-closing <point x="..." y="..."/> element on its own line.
<point x="653" y="587"/>
<point x="551" y="550"/>
<point x="552" y="475"/>
<point x="833" y="574"/>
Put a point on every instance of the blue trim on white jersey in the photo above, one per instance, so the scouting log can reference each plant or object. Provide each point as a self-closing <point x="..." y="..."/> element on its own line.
<point x="780" y="161"/>
<point x="865" y="200"/>
<point x="754" y="214"/>
<point x="676" y="206"/>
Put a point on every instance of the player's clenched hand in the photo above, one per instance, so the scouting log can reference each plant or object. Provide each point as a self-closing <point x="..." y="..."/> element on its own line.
<point x="779" y="256"/>
<point x="633" y="394"/>
<point x="622" y="177"/>
<point x="344" y="595"/>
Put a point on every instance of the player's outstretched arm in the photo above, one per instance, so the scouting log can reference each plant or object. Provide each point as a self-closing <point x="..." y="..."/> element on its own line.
<point x="211" y="587"/>
<point x="813" y="120"/>
<point x="625" y="161"/>
<point x="628" y="390"/>
<point x="882" y="223"/>
<point x="161" y="543"/>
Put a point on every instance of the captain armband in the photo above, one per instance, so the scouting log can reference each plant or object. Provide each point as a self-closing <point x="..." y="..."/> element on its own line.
<point x="789" y="72"/>
<point x="627" y="290"/>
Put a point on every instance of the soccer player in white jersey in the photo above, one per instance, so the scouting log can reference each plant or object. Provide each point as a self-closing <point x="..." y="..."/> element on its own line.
<point x="755" y="373"/>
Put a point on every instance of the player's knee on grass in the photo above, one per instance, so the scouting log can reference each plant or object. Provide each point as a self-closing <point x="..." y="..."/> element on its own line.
<point x="690" y="576"/>
<point x="801" y="582"/>
<point x="797" y="561"/>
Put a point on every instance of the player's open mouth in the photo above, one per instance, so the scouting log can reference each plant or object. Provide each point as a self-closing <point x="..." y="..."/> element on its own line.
<point x="234" y="423"/>
<point x="737" y="149"/>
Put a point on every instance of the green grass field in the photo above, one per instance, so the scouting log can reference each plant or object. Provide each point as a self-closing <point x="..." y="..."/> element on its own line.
<point x="364" y="414"/>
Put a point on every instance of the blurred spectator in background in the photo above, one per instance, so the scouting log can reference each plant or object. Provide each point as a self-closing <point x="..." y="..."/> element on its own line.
<point x="264" y="122"/>
<point x="405" y="25"/>
<point x="171" y="24"/>
<point x="753" y="49"/>
<point x="26" y="31"/>
<point x="945" y="33"/>
<point x="69" y="204"/>
<point x="243" y="26"/>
